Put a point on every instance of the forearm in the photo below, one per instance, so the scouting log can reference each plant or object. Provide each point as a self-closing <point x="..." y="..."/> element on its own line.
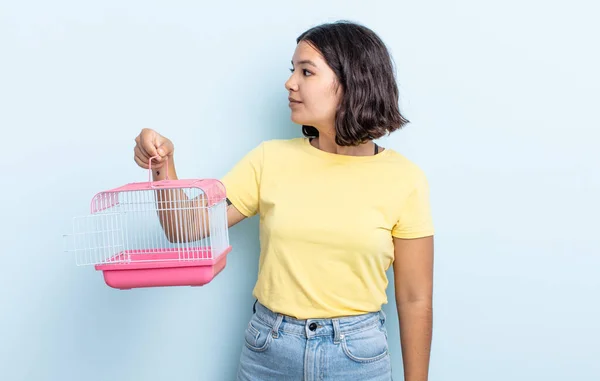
<point x="415" y="338"/>
<point x="182" y="219"/>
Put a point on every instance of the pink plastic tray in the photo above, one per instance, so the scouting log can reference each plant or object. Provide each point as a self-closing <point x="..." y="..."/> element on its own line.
<point x="161" y="269"/>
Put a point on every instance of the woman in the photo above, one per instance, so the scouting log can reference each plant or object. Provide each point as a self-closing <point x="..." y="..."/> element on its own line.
<point x="336" y="210"/>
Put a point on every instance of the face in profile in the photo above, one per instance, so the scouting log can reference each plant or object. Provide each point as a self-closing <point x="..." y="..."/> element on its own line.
<point x="313" y="89"/>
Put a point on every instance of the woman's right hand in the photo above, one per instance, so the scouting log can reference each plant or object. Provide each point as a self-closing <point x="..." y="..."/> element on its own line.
<point x="150" y="143"/>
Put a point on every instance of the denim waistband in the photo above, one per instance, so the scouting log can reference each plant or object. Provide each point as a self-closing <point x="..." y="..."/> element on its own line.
<point x="318" y="327"/>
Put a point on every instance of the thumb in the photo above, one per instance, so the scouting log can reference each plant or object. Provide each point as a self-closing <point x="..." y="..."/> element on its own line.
<point x="161" y="151"/>
<point x="164" y="149"/>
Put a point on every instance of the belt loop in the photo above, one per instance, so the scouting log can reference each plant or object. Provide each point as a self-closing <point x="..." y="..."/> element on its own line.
<point x="275" y="330"/>
<point x="382" y="316"/>
<point x="336" y="331"/>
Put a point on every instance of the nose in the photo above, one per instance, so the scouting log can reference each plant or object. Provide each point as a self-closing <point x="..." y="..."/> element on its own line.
<point x="291" y="84"/>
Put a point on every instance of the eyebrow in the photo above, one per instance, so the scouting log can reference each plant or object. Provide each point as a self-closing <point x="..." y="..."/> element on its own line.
<point x="309" y="62"/>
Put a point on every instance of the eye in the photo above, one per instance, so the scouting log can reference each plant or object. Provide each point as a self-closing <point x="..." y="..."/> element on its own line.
<point x="305" y="72"/>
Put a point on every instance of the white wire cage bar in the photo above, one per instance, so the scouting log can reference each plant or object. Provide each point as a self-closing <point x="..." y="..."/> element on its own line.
<point x="162" y="221"/>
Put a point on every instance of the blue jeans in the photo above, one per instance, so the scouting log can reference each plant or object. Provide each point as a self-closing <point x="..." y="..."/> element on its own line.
<point x="282" y="348"/>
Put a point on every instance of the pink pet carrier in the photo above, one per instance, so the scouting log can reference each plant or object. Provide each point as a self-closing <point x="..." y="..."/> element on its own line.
<point x="155" y="233"/>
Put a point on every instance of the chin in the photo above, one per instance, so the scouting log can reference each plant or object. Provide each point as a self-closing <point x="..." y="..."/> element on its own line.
<point x="298" y="120"/>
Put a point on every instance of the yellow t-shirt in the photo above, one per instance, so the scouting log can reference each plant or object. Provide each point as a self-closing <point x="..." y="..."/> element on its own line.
<point x="326" y="224"/>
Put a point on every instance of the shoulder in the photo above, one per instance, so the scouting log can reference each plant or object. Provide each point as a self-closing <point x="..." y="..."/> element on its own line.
<point x="273" y="149"/>
<point x="279" y="147"/>
<point x="268" y="147"/>
<point x="404" y="167"/>
<point x="282" y="144"/>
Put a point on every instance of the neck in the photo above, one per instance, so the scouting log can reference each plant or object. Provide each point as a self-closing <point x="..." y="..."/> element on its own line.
<point x="326" y="142"/>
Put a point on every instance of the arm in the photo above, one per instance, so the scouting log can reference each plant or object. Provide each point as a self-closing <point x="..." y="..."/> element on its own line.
<point x="179" y="213"/>
<point x="175" y="209"/>
<point x="413" y="279"/>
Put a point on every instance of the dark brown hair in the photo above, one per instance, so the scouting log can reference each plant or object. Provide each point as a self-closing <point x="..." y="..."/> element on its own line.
<point x="363" y="67"/>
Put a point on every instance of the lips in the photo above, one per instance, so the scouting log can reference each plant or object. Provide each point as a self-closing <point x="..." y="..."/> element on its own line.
<point x="292" y="100"/>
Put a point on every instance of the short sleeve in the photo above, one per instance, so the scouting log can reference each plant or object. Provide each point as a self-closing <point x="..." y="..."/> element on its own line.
<point x="242" y="182"/>
<point x="415" y="218"/>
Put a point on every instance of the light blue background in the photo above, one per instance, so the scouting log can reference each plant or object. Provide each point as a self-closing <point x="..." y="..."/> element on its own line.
<point x="503" y="98"/>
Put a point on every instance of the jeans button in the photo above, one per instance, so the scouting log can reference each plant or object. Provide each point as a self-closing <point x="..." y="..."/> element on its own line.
<point x="312" y="326"/>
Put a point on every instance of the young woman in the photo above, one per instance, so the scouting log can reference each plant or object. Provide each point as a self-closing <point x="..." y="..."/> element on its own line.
<point x="336" y="211"/>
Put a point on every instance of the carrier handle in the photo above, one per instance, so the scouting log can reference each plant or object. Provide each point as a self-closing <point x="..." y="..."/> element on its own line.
<point x="150" y="168"/>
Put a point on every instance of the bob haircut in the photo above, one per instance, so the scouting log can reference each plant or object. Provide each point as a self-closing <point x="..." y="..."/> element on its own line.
<point x="363" y="66"/>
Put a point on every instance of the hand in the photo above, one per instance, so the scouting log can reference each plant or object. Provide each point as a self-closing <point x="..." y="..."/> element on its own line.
<point x="150" y="143"/>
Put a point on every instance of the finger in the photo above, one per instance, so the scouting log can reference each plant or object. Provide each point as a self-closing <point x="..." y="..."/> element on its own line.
<point x="156" y="162"/>
<point x="141" y="154"/>
<point x="161" y="150"/>
<point x="140" y="162"/>
<point x="164" y="149"/>
<point x="147" y="145"/>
